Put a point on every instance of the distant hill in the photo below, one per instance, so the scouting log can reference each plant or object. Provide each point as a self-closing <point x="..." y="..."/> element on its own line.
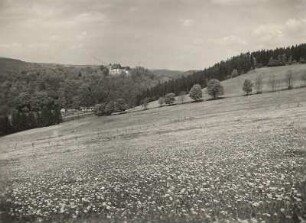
<point x="12" y="65"/>
<point x="166" y="75"/>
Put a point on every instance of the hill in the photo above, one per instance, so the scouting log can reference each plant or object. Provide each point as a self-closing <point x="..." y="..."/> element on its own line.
<point x="167" y="75"/>
<point x="232" y="67"/>
<point x="233" y="86"/>
<point x="16" y="66"/>
<point x="12" y="65"/>
<point x="221" y="159"/>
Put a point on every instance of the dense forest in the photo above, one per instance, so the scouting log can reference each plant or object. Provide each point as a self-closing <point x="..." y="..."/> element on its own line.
<point x="223" y="70"/>
<point x="33" y="97"/>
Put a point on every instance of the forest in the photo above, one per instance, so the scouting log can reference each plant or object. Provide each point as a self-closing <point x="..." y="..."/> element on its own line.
<point x="223" y="70"/>
<point x="33" y="98"/>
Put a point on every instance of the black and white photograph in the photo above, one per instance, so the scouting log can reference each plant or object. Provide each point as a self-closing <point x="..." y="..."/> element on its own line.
<point x="152" y="111"/>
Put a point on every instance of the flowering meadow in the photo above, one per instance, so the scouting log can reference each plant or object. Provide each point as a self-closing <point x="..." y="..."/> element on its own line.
<point x="231" y="160"/>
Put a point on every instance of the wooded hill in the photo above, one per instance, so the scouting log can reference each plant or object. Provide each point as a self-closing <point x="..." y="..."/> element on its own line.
<point x="32" y="94"/>
<point x="224" y="70"/>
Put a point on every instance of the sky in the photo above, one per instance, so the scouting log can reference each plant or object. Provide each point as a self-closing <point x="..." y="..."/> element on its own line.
<point x="157" y="34"/>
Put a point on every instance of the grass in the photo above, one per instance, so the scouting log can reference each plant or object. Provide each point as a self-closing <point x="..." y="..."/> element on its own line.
<point x="233" y="86"/>
<point x="237" y="159"/>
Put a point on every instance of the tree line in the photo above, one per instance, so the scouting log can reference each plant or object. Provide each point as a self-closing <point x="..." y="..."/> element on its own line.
<point x="223" y="70"/>
<point x="34" y="98"/>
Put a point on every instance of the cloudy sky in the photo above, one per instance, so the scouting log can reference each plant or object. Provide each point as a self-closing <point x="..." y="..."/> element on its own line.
<point x="173" y="34"/>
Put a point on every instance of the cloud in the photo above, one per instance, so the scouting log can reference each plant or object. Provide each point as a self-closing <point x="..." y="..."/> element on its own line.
<point x="187" y="22"/>
<point x="236" y="2"/>
<point x="10" y="45"/>
<point x="82" y="36"/>
<point x="268" y="32"/>
<point x="228" y="40"/>
<point x="293" y="29"/>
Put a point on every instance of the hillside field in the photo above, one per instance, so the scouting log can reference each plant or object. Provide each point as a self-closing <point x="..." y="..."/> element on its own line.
<point x="233" y="86"/>
<point x="235" y="158"/>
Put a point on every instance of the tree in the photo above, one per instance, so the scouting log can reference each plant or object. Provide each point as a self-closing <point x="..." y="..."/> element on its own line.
<point x="254" y="62"/>
<point x="304" y="77"/>
<point x="182" y="96"/>
<point x="214" y="88"/>
<point x="234" y="73"/>
<point x="161" y="101"/>
<point x="170" y="98"/>
<point x="289" y="79"/>
<point x="145" y="103"/>
<point x="247" y="86"/>
<point x="258" y="84"/>
<point x="272" y="82"/>
<point x="196" y="92"/>
<point x="5" y="126"/>
<point x="290" y="60"/>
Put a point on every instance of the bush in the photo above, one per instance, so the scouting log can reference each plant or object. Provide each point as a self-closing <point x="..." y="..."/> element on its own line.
<point x="170" y="98"/>
<point x="214" y="88"/>
<point x="109" y="108"/>
<point x="196" y="92"/>
<point x="145" y="103"/>
<point x="247" y="86"/>
<point x="99" y="109"/>
<point x="161" y="101"/>
<point x="120" y="105"/>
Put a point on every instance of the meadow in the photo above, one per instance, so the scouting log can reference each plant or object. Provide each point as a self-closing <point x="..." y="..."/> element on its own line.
<point x="233" y="86"/>
<point x="242" y="158"/>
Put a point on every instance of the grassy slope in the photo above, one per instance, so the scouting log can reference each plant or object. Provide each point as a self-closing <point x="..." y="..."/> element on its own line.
<point x="237" y="157"/>
<point x="233" y="87"/>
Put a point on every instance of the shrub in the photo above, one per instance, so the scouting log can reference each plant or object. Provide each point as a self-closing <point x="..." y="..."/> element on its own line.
<point x="99" y="109"/>
<point x="161" y="101"/>
<point x="170" y="98"/>
<point x="196" y="92"/>
<point x="109" y="108"/>
<point x="247" y="86"/>
<point x="214" y="88"/>
<point x="120" y="105"/>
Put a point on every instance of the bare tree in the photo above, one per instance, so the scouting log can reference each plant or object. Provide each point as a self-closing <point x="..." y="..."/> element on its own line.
<point x="145" y="103"/>
<point x="289" y="79"/>
<point x="182" y="97"/>
<point x="304" y="77"/>
<point x="258" y="84"/>
<point x="272" y="82"/>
